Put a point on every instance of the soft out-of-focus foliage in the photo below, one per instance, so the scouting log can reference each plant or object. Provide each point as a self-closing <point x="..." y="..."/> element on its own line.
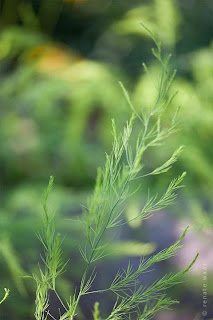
<point x="48" y="109"/>
<point x="162" y="16"/>
<point x="96" y="313"/>
<point x="59" y="68"/>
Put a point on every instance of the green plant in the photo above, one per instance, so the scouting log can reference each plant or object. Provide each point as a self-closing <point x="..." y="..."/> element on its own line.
<point x="104" y="213"/>
<point x="36" y="109"/>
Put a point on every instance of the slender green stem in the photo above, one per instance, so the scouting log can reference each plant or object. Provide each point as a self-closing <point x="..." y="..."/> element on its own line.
<point x="6" y="294"/>
<point x="97" y="291"/>
<point x="94" y="248"/>
<point x="59" y="298"/>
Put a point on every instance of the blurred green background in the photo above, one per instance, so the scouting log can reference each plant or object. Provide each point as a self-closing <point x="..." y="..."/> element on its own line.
<point x="60" y="63"/>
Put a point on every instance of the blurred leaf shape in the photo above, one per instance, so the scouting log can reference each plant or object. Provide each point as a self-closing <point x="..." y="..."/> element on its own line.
<point x="11" y="259"/>
<point x="162" y="16"/>
<point x="130" y="249"/>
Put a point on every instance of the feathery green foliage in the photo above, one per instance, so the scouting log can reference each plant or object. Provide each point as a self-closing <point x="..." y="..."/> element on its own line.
<point x="104" y="213"/>
<point x="53" y="265"/>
